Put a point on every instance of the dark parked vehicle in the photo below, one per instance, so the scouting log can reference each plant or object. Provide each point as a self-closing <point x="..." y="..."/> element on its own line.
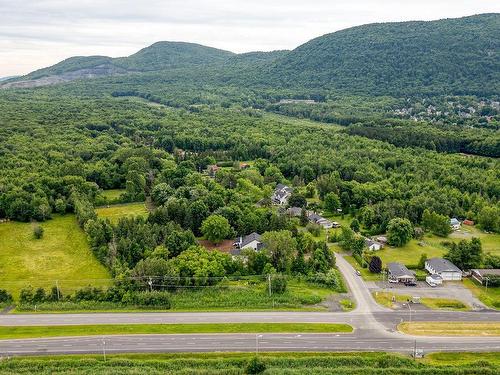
<point x="411" y="283"/>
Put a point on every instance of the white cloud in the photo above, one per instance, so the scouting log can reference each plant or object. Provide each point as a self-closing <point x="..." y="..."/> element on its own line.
<point x="38" y="33"/>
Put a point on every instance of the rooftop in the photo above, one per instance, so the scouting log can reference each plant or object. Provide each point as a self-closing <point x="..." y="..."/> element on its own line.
<point x="398" y="270"/>
<point x="442" y="265"/>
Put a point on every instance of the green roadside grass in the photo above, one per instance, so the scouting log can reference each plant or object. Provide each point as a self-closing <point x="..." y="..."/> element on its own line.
<point x="344" y="363"/>
<point x="23" y="332"/>
<point x="451" y="328"/>
<point x="489" y="296"/>
<point x="365" y="272"/>
<point x="386" y="299"/>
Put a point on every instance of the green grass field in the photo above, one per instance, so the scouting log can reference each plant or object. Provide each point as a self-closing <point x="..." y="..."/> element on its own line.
<point x="117" y="211"/>
<point x="112" y="194"/>
<point x="62" y="254"/>
<point x="490" y="241"/>
<point x="20" y="332"/>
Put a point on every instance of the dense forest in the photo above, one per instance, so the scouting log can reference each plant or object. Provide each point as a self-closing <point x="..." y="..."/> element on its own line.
<point x="396" y="141"/>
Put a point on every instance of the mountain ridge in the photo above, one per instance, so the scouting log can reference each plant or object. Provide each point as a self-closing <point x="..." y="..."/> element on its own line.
<point x="453" y="55"/>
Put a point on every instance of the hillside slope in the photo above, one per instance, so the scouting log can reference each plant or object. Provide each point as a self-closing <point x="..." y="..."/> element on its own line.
<point x="452" y="55"/>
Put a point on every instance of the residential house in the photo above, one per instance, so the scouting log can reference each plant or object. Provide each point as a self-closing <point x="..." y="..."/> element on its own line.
<point x="454" y="224"/>
<point x="281" y="194"/>
<point x="398" y="273"/>
<point x="468" y="222"/>
<point x="444" y="268"/>
<point x="482" y="275"/>
<point x="320" y="220"/>
<point x="212" y="170"/>
<point x="373" y="245"/>
<point x="294" y="211"/>
<point x="251" y="241"/>
<point x="381" y="239"/>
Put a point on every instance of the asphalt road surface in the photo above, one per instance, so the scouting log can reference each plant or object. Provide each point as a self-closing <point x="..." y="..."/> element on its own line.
<point x="374" y="330"/>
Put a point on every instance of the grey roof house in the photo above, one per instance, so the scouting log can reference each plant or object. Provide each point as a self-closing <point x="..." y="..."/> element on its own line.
<point x="251" y="241"/>
<point x="444" y="268"/>
<point x="398" y="273"/>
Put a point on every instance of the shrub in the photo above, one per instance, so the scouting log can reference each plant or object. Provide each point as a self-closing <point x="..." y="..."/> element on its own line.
<point x="314" y="229"/>
<point x="329" y="279"/>
<point x="38" y="232"/>
<point x="375" y="265"/>
<point x="5" y="297"/>
<point x="255" y="366"/>
<point x="26" y="295"/>
<point x="278" y="284"/>
<point x="148" y="299"/>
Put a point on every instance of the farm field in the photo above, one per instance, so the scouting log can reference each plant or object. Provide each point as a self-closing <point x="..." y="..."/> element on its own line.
<point x="62" y="254"/>
<point x="117" y="211"/>
<point x="490" y="241"/>
<point x="112" y="194"/>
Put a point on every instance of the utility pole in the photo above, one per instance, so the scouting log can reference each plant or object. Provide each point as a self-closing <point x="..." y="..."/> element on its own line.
<point x="57" y="287"/>
<point x="150" y="283"/>
<point x="415" y="350"/>
<point x="104" y="349"/>
<point x="269" y="284"/>
<point x="257" y="337"/>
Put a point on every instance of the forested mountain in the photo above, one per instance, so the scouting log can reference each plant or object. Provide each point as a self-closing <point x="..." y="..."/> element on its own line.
<point x="451" y="56"/>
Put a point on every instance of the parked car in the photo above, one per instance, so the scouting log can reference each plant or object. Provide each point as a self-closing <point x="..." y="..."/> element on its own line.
<point x="411" y="283"/>
<point x="358" y="273"/>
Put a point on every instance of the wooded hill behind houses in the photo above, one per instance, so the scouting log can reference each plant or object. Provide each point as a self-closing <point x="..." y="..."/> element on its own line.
<point x="450" y="56"/>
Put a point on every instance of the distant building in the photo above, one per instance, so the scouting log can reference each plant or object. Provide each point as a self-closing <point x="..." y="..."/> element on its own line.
<point x="468" y="222"/>
<point x="244" y="165"/>
<point x="398" y="273"/>
<point x="281" y="194"/>
<point x="335" y="224"/>
<point x="251" y="241"/>
<point x="454" y="224"/>
<point x="444" y="268"/>
<point x="481" y="275"/>
<point x="381" y="239"/>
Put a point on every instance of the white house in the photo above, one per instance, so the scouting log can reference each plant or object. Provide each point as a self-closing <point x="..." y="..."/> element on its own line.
<point x="281" y="194"/>
<point x="444" y="268"/>
<point x="373" y="245"/>
<point x="252" y="241"/>
<point x="454" y="224"/>
<point x="320" y="220"/>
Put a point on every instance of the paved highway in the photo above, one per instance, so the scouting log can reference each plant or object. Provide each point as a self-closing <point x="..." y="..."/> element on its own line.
<point x="375" y="330"/>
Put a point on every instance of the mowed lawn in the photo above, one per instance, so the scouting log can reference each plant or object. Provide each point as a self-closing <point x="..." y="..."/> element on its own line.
<point x="63" y="254"/>
<point x="117" y="211"/>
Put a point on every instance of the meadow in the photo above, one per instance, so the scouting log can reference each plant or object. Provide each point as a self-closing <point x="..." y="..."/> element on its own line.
<point x="63" y="254"/>
<point x="117" y="211"/>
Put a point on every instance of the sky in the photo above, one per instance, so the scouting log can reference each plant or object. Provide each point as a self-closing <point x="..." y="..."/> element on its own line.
<point x="40" y="33"/>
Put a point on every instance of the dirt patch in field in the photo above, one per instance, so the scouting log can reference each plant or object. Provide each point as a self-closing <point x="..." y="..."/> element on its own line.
<point x="225" y="246"/>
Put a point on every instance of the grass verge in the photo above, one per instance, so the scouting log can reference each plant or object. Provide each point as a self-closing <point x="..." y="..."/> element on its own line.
<point x="22" y="332"/>
<point x="389" y="299"/>
<point x="489" y="296"/>
<point x="450" y="328"/>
